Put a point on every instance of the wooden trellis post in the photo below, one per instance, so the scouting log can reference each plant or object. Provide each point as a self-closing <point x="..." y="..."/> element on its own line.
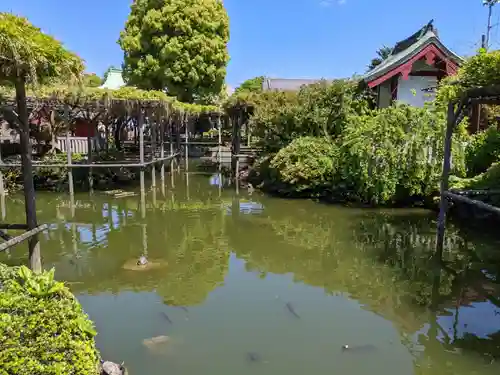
<point x="68" y="150"/>
<point x="481" y="95"/>
<point x="35" y="260"/>
<point x="443" y="204"/>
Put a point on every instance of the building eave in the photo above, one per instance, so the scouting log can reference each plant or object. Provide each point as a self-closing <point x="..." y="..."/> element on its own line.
<point x="428" y="44"/>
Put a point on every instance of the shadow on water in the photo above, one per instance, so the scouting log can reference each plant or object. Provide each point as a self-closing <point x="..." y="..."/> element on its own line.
<point x="237" y="263"/>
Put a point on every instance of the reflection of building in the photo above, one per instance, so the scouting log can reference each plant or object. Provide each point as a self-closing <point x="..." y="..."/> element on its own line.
<point x="243" y="207"/>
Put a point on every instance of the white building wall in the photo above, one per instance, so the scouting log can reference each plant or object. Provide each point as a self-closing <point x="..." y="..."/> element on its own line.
<point x="411" y="91"/>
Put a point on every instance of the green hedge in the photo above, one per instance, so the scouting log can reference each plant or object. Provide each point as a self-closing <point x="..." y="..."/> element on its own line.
<point x="482" y="151"/>
<point x="43" y="329"/>
<point x="307" y="165"/>
<point x="389" y="156"/>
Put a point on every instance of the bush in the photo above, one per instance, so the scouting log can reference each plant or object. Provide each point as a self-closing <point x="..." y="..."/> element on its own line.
<point x="482" y="151"/>
<point x="307" y="165"/>
<point x="482" y="69"/>
<point x="395" y="154"/>
<point x="317" y="110"/>
<point x="488" y="180"/>
<point x="43" y="329"/>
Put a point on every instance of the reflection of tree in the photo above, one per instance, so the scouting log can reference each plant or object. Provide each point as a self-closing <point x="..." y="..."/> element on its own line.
<point x="383" y="260"/>
<point x="190" y="242"/>
<point x="198" y="263"/>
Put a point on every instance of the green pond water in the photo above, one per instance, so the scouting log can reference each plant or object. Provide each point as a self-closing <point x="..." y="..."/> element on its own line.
<point x="247" y="284"/>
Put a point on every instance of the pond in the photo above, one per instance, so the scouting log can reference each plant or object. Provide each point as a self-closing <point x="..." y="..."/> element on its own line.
<point x="243" y="284"/>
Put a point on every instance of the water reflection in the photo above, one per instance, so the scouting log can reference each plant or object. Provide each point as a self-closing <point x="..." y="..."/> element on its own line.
<point x="354" y="277"/>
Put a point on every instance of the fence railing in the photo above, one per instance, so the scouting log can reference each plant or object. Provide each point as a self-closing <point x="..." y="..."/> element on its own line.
<point x="76" y="144"/>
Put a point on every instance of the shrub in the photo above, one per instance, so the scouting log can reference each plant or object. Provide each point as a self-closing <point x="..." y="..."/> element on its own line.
<point x="43" y="329"/>
<point x="482" y="69"/>
<point x="395" y="154"/>
<point x="307" y="165"/>
<point x="482" y="151"/>
<point x="317" y="110"/>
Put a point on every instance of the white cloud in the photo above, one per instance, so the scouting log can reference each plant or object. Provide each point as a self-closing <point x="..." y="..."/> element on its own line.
<point x="329" y="3"/>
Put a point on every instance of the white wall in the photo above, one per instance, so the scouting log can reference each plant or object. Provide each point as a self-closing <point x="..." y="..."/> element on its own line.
<point x="410" y="90"/>
<point x="385" y="94"/>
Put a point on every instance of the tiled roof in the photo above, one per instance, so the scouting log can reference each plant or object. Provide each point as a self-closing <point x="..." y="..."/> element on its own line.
<point x="408" y="48"/>
<point x="287" y="84"/>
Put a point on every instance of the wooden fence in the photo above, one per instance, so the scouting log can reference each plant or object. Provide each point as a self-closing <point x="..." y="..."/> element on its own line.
<point x="77" y="144"/>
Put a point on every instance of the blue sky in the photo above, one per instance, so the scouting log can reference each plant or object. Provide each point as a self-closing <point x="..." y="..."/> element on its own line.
<point x="276" y="38"/>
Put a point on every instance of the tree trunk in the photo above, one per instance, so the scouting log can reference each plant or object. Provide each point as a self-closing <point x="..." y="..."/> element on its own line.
<point x="35" y="262"/>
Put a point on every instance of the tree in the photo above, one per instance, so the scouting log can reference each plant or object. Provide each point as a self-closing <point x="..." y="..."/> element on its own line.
<point x="251" y="85"/>
<point x="177" y="45"/>
<point x="382" y="54"/>
<point x="91" y="80"/>
<point x="27" y="57"/>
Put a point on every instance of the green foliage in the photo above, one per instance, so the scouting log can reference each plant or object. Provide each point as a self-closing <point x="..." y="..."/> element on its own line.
<point x="43" y="329"/>
<point x="80" y="95"/>
<point x="307" y="164"/>
<point x="319" y="110"/>
<point x="482" y="151"/>
<point x="382" y="54"/>
<point x="91" y="80"/>
<point x="27" y="53"/>
<point x="482" y="69"/>
<point x="176" y="45"/>
<point x="490" y="179"/>
<point x="251" y="85"/>
<point x="394" y="154"/>
<point x="389" y="156"/>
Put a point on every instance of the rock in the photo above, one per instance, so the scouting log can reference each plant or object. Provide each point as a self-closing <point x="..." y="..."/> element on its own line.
<point x="111" y="368"/>
<point x="142" y="261"/>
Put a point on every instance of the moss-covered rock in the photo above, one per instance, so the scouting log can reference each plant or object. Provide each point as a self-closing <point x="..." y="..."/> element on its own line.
<point x="43" y="329"/>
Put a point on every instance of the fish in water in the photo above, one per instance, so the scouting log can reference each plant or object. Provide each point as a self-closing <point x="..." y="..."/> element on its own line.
<point x="164" y="314"/>
<point x="154" y="341"/>
<point x="290" y="308"/>
<point x="184" y="308"/>
<point x="358" y="348"/>
<point x="142" y="261"/>
<point x="253" y="357"/>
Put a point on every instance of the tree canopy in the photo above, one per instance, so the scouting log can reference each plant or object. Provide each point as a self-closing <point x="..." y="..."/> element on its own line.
<point x="177" y="45"/>
<point x="28" y="54"/>
<point x="382" y="54"/>
<point x="251" y="85"/>
<point x="91" y="80"/>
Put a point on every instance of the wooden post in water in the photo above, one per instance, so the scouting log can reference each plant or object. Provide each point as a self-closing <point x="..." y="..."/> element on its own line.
<point x="89" y="156"/>
<point x="2" y="204"/>
<point x="162" y="153"/>
<point x="443" y="204"/>
<point x="219" y="151"/>
<point x="153" y="147"/>
<point x="178" y="139"/>
<point x="69" y="151"/>
<point x="186" y="135"/>
<point x="171" y="144"/>
<point x="236" y="146"/>
<point x="2" y="186"/>
<point x="35" y="260"/>
<point x="140" y="125"/>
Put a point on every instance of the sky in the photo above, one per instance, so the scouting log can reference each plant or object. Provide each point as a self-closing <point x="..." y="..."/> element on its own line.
<point x="276" y="38"/>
